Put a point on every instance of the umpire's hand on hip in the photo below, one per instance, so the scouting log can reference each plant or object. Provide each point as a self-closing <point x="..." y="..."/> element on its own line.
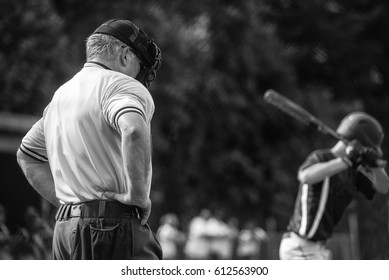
<point x="125" y="198"/>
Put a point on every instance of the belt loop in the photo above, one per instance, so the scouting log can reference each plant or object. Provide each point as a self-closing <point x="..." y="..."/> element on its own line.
<point x="102" y="206"/>
<point x="67" y="212"/>
<point x="58" y="216"/>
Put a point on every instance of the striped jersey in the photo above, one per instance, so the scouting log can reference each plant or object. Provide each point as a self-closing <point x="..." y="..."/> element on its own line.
<point x="319" y="207"/>
<point x="79" y="135"/>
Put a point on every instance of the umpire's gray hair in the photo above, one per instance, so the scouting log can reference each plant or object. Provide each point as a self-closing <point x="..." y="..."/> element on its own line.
<point x="103" y="46"/>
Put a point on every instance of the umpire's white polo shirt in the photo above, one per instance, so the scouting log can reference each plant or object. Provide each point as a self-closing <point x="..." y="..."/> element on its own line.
<point x="78" y="133"/>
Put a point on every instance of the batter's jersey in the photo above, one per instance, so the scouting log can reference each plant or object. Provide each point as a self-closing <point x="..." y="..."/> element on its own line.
<point x="79" y="134"/>
<point x="319" y="207"/>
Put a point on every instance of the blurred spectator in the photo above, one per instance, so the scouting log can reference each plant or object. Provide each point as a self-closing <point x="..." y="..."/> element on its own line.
<point x="170" y="237"/>
<point x="250" y="241"/>
<point x="233" y="225"/>
<point x="198" y="244"/>
<point x="210" y="237"/>
<point x="5" y="236"/>
<point x="33" y="241"/>
<point x="221" y="236"/>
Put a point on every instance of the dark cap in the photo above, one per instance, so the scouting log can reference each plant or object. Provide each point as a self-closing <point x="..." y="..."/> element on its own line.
<point x="129" y="34"/>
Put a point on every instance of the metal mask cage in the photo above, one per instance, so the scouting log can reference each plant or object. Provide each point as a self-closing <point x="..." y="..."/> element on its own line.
<point x="149" y="72"/>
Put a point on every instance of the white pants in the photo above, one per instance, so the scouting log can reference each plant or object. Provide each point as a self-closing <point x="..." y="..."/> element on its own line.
<point x="294" y="247"/>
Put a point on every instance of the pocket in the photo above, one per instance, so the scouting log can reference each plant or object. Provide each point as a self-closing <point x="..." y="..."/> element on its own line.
<point x="111" y="242"/>
<point x="105" y="228"/>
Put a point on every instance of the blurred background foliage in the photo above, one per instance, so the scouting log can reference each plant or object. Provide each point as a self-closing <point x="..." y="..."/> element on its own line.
<point x="216" y="144"/>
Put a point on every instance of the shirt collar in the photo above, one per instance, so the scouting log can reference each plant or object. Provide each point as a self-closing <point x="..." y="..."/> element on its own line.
<point x="90" y="64"/>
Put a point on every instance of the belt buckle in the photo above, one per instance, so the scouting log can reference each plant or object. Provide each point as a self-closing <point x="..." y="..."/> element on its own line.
<point x="75" y="210"/>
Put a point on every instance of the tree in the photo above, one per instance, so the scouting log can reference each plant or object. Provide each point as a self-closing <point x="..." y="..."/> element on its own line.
<point x="31" y="54"/>
<point x="209" y="140"/>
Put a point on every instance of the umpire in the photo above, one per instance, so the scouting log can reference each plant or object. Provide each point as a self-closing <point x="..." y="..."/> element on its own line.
<point x="90" y="153"/>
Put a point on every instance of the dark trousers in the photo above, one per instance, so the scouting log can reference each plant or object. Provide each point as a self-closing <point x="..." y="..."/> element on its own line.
<point x="96" y="234"/>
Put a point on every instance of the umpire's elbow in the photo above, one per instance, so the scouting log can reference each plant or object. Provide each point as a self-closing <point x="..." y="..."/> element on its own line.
<point x="19" y="156"/>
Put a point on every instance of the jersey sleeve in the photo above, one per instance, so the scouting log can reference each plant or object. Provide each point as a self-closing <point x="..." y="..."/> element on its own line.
<point x="311" y="159"/>
<point x="33" y="143"/>
<point x="126" y="96"/>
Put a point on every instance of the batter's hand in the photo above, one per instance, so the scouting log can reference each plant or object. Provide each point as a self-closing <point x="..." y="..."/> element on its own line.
<point x="354" y="152"/>
<point x="144" y="205"/>
<point x="371" y="158"/>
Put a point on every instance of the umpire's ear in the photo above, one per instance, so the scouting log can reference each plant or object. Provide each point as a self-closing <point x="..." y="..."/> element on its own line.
<point x="124" y="56"/>
<point x="127" y="61"/>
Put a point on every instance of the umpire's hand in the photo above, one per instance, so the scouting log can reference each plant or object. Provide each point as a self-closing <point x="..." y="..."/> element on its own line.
<point x="144" y="205"/>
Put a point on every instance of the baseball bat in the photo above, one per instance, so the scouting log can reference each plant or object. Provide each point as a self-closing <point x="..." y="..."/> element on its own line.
<point x="296" y="111"/>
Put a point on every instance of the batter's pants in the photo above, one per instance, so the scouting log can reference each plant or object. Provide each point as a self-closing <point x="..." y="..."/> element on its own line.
<point x="102" y="230"/>
<point x="294" y="247"/>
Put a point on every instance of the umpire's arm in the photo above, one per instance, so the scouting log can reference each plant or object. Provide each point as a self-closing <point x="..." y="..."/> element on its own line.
<point x="38" y="175"/>
<point x="32" y="159"/>
<point x="136" y="153"/>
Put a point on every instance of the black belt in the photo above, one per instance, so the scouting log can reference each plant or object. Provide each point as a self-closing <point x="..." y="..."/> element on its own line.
<point x="97" y="209"/>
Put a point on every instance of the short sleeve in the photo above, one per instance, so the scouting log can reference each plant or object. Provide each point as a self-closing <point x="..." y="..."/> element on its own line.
<point x="312" y="159"/>
<point x="126" y="96"/>
<point x="33" y="144"/>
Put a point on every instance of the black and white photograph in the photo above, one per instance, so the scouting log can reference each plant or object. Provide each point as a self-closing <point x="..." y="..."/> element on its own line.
<point x="228" y="136"/>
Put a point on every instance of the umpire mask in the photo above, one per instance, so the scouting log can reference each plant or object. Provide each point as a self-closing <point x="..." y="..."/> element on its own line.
<point x="144" y="48"/>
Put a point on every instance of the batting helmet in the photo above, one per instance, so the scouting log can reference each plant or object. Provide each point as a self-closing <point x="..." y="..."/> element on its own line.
<point x="144" y="48"/>
<point x="364" y="128"/>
